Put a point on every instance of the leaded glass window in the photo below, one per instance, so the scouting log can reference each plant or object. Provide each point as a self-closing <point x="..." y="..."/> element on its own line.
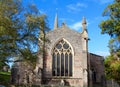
<point x="62" y="59"/>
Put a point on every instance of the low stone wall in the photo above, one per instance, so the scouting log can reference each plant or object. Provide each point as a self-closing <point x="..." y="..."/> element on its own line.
<point x="66" y="82"/>
<point x="112" y="83"/>
<point x="23" y="74"/>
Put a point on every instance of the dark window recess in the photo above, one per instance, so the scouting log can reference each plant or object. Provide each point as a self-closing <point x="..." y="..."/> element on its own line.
<point x="62" y="59"/>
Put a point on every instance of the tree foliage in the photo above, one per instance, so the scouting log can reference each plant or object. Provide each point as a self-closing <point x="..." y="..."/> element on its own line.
<point x="112" y="68"/>
<point x="20" y="27"/>
<point x="8" y="27"/>
<point x="111" y="26"/>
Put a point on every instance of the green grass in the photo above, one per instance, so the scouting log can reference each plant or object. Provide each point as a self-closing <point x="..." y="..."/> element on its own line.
<point x="5" y="78"/>
<point x="5" y="73"/>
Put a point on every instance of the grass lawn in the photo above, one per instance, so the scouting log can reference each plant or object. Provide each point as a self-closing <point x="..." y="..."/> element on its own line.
<point x="4" y="78"/>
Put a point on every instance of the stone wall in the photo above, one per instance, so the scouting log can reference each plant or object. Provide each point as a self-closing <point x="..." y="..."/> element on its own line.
<point x="22" y="73"/>
<point x="97" y="69"/>
<point x="79" y="56"/>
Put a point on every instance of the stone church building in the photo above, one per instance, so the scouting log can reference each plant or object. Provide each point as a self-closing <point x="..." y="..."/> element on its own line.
<point x="67" y="60"/>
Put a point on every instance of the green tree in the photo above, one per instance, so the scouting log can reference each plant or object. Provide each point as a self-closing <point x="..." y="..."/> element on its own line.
<point x="20" y="28"/>
<point x="34" y="24"/>
<point x="8" y="27"/>
<point x="112" y="68"/>
<point x="111" y="26"/>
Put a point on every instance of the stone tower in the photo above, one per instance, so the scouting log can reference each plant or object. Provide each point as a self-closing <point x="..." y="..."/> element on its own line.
<point x="85" y="51"/>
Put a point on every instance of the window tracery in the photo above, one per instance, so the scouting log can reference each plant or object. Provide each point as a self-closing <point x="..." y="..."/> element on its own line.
<point x="62" y="59"/>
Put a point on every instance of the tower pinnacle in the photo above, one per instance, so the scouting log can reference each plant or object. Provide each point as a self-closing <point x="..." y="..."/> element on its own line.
<point x="84" y="23"/>
<point x="84" y="29"/>
<point x="56" y="22"/>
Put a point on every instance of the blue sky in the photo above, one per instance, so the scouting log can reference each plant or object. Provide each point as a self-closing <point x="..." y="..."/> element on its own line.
<point x="72" y="12"/>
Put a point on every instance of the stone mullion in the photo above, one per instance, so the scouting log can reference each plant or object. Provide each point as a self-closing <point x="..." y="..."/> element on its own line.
<point x="56" y="64"/>
<point x="68" y="64"/>
<point x="60" y="63"/>
<point x="64" y="63"/>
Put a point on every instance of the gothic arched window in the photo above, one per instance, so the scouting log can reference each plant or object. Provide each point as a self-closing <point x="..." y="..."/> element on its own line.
<point x="62" y="60"/>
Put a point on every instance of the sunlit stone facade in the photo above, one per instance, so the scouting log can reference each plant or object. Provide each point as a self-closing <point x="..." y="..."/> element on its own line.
<point x="66" y="60"/>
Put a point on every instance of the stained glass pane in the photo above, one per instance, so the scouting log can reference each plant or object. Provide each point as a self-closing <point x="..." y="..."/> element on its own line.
<point x="66" y="46"/>
<point x="70" y="64"/>
<point x="54" y="71"/>
<point x="58" y="64"/>
<point x="62" y="64"/>
<point x="66" y="64"/>
<point x="58" y="46"/>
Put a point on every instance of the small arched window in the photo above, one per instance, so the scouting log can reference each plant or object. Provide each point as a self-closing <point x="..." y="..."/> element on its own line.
<point x="62" y="59"/>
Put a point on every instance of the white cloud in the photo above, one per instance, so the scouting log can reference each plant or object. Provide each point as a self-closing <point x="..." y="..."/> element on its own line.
<point x="75" y="7"/>
<point x="100" y="1"/>
<point x="76" y="26"/>
<point x="102" y="53"/>
<point x="81" y="5"/>
<point x="41" y="11"/>
<point x="66" y="19"/>
<point x="95" y="20"/>
<point x="55" y="1"/>
<point x="103" y="1"/>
